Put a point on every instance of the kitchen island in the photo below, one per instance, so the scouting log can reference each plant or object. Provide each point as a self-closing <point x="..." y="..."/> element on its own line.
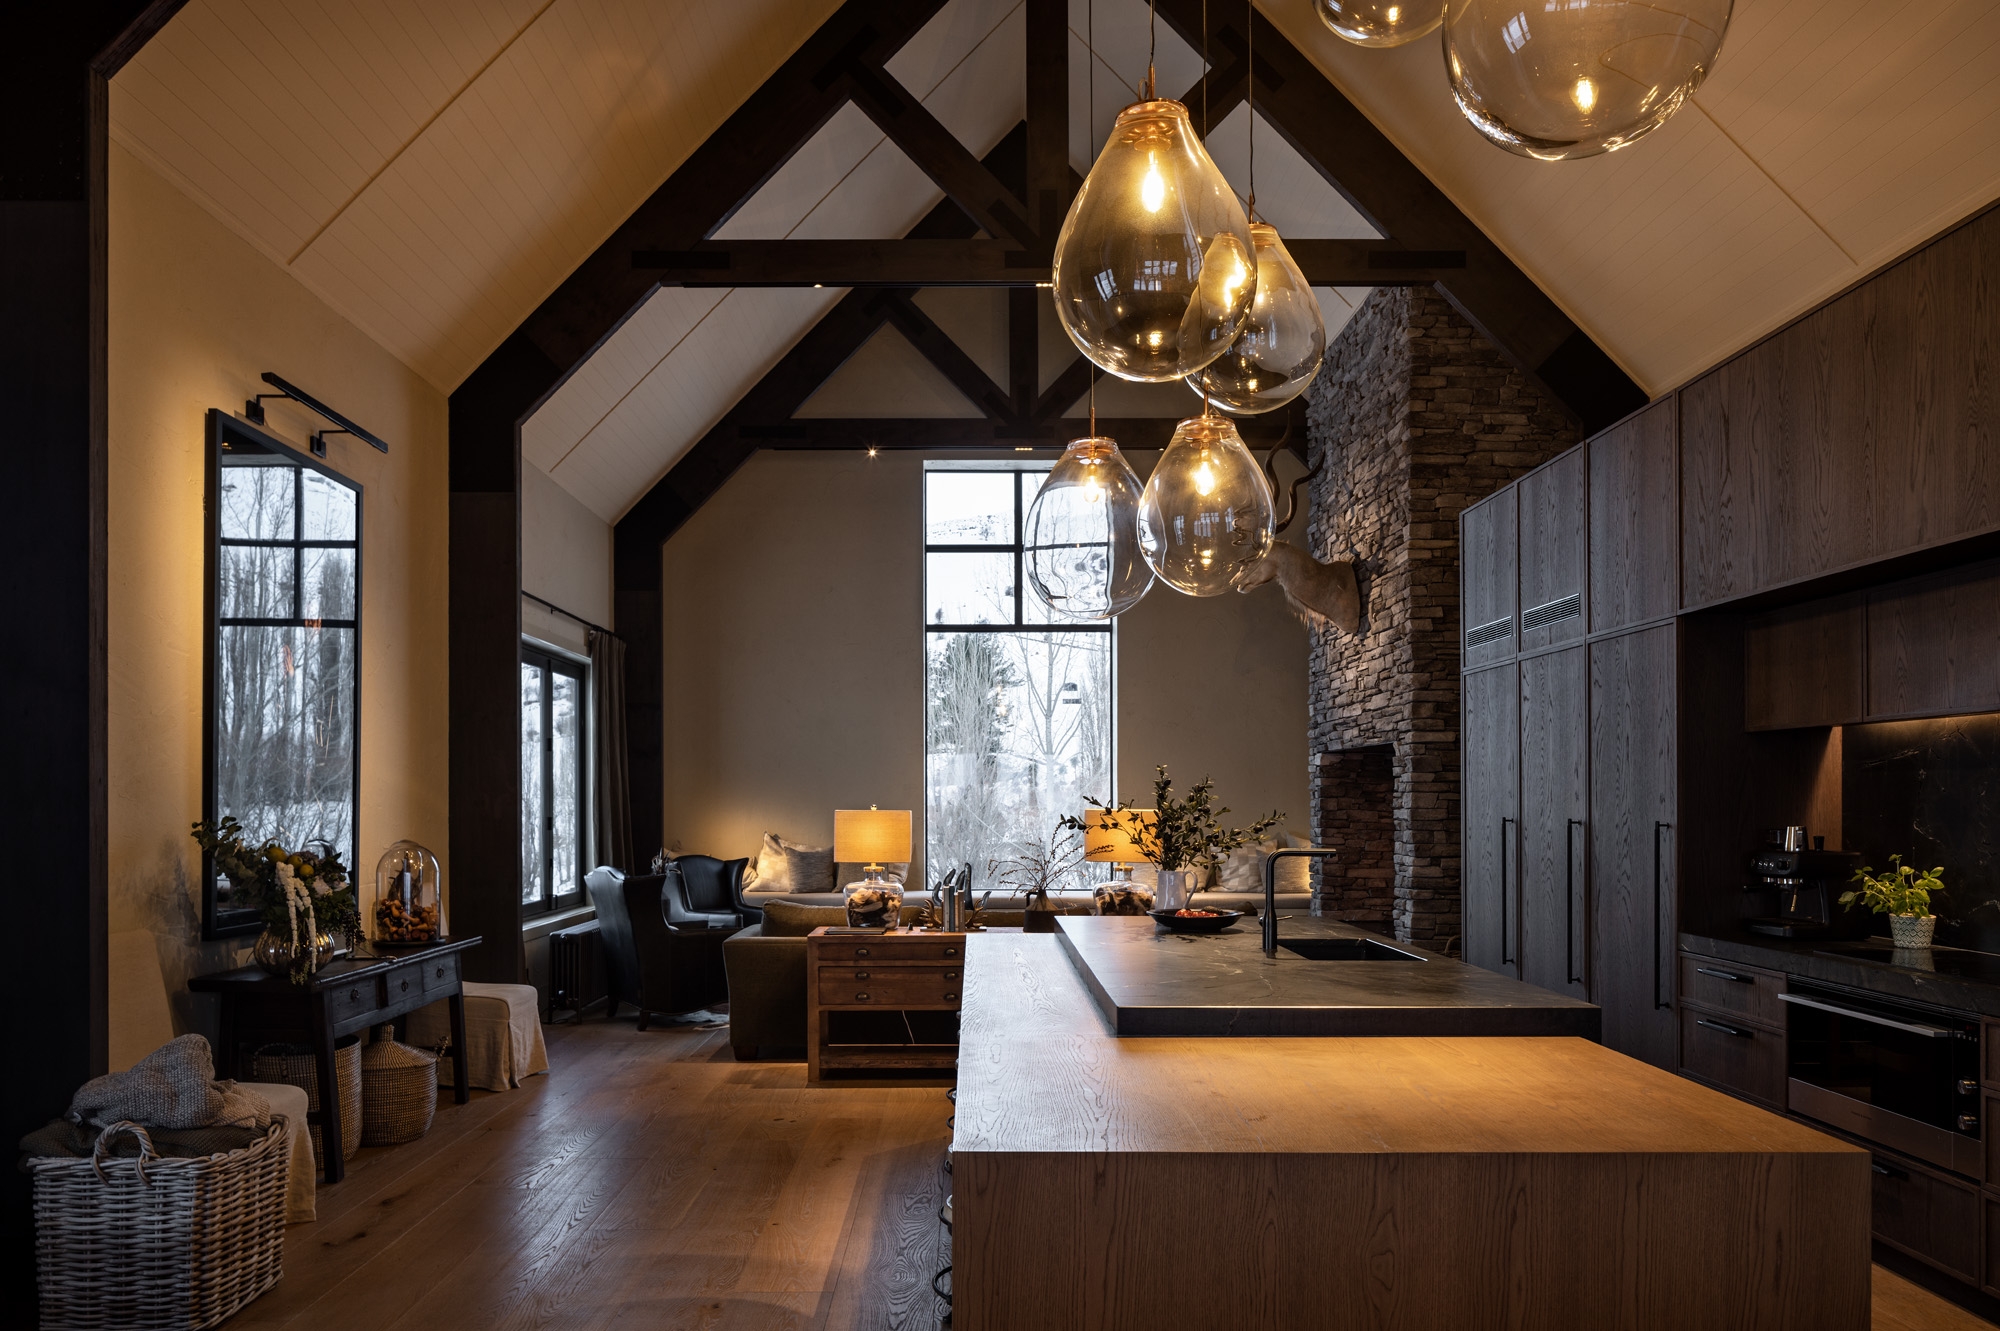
<point x="1103" y="1183"/>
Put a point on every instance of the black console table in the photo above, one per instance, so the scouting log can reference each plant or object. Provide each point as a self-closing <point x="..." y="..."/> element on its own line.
<point x="344" y="997"/>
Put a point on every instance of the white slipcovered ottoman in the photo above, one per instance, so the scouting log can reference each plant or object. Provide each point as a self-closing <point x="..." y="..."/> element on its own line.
<point x="301" y="1173"/>
<point x="503" y="1035"/>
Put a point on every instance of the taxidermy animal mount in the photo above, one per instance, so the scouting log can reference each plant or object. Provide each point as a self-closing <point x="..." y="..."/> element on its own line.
<point x="1326" y="592"/>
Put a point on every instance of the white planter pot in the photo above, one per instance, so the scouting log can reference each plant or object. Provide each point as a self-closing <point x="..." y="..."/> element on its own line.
<point x="1912" y="930"/>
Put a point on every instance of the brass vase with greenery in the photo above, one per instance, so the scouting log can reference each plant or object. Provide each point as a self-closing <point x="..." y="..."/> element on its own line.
<point x="304" y="896"/>
<point x="1904" y="895"/>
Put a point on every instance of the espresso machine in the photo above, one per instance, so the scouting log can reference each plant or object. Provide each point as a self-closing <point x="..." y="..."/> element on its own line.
<point x="1798" y="888"/>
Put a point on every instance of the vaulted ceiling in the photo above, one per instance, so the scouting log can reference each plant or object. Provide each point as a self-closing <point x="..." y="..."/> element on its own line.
<point x="433" y="170"/>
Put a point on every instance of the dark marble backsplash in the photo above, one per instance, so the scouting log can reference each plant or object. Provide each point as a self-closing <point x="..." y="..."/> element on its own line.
<point x="1930" y="790"/>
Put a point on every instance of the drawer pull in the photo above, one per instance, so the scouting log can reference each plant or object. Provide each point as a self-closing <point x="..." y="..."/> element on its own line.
<point x="951" y="952"/>
<point x="406" y="986"/>
<point x="861" y="998"/>
<point x="951" y="998"/>
<point x="1726" y="975"/>
<point x="861" y="975"/>
<point x="440" y="974"/>
<point x="860" y="951"/>
<point x="354" y="995"/>
<point x="1886" y="1172"/>
<point x="951" y="975"/>
<point x="1726" y="1029"/>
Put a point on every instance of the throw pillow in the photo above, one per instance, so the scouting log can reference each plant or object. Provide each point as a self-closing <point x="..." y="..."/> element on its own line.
<point x="810" y="867"/>
<point x="1294" y="871"/>
<point x="1243" y="869"/>
<point x="768" y="871"/>
<point x="788" y="919"/>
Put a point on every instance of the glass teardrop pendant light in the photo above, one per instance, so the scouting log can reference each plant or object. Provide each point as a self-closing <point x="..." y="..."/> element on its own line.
<point x="1082" y="537"/>
<point x="1574" y="80"/>
<point x="1154" y="271"/>
<point x="1206" y="513"/>
<point x="1282" y="344"/>
<point x="1381" y="22"/>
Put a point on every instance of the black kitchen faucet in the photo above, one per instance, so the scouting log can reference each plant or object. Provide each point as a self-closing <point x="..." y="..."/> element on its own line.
<point x="1271" y="890"/>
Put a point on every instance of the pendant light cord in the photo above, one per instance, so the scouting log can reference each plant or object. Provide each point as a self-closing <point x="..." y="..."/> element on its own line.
<point x="1152" y="44"/>
<point x="1090" y="123"/>
<point x="1204" y="68"/>
<point x="1250" y="95"/>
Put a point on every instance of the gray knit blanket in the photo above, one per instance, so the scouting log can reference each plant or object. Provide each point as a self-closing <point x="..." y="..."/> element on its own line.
<point x="172" y="1087"/>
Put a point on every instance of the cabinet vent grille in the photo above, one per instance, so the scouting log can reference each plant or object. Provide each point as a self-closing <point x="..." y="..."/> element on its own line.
<point x="1551" y="613"/>
<point x="1492" y="631"/>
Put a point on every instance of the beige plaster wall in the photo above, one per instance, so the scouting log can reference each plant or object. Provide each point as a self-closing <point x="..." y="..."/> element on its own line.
<point x="565" y="548"/>
<point x="794" y="676"/>
<point x="195" y="315"/>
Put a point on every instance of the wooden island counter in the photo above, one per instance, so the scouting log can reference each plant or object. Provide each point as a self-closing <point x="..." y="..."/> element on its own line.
<point x="1188" y="1184"/>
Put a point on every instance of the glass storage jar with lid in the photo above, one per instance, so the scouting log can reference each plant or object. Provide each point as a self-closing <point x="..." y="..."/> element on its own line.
<point x="409" y="896"/>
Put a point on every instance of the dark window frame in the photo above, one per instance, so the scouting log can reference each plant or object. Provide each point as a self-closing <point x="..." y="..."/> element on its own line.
<point x="552" y="663"/>
<point x="228" y="435"/>
<point x="1016" y="548"/>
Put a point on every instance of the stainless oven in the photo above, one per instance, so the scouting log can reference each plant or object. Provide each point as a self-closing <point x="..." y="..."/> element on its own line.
<point x="1902" y="1075"/>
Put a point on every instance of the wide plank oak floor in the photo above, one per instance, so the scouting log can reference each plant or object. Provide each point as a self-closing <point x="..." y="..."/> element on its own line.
<point x="652" y="1181"/>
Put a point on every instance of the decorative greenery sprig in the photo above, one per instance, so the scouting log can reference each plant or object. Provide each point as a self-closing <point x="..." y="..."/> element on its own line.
<point x="1185" y="833"/>
<point x="1901" y="891"/>
<point x="286" y="885"/>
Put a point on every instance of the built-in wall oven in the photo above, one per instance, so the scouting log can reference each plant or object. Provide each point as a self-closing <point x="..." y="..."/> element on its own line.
<point x="1903" y="1075"/>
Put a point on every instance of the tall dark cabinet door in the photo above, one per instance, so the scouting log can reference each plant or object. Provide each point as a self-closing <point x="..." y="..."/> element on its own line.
<point x="1486" y="549"/>
<point x="1554" y="531"/>
<point x="1492" y="812"/>
<point x="1632" y="840"/>
<point x="1635" y="567"/>
<point x="1555" y="829"/>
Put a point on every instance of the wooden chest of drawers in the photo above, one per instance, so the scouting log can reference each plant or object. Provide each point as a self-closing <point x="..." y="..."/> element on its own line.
<point x="883" y="1006"/>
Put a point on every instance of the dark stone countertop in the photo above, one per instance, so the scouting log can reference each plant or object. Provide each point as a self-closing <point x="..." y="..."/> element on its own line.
<point x="1946" y="977"/>
<point x="1149" y="982"/>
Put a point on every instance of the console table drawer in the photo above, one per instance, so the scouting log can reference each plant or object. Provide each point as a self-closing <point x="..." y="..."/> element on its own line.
<point x="352" y="999"/>
<point x="403" y="984"/>
<point x="1724" y="986"/>
<point x="889" y="986"/>
<point x="871" y="949"/>
<point x="441" y="973"/>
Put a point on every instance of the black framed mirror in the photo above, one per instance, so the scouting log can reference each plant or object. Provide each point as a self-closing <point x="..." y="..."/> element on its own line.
<point x="281" y="686"/>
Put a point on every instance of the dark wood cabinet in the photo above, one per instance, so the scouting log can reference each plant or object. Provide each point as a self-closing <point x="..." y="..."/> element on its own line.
<point x="1555" y="809"/>
<point x="1634" y="557"/>
<point x="1805" y="665"/>
<point x="1934" y="644"/>
<point x="1927" y="1215"/>
<point x="1554" y="534"/>
<point x="1487" y="545"/>
<point x="1491" y="813"/>
<point x="1728" y="1052"/>
<point x="1632" y="832"/>
<point x="1868" y="428"/>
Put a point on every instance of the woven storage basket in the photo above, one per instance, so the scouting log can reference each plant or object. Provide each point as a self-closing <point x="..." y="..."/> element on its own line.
<point x="294" y="1065"/>
<point x="146" y="1242"/>
<point x="399" y="1091"/>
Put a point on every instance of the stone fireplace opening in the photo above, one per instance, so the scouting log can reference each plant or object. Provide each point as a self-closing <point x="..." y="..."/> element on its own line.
<point x="1354" y="792"/>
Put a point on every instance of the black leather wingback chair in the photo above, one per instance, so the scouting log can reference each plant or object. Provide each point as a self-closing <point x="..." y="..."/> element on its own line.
<point x="651" y="961"/>
<point x="714" y="888"/>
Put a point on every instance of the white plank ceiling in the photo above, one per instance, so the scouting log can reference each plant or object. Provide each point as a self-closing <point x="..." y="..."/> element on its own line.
<point x="433" y="168"/>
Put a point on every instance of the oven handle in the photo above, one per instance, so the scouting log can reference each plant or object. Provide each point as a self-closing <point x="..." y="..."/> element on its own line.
<point x="1935" y="1032"/>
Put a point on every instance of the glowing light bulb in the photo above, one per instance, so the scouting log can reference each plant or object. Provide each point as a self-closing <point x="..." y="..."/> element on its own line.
<point x="1153" y="190"/>
<point x="1153" y="292"/>
<point x="1082" y="553"/>
<point x="1206" y="515"/>
<point x="1282" y="343"/>
<point x="1576" y="79"/>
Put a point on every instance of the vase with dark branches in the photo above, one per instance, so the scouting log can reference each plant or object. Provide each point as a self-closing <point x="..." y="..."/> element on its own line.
<point x="1038" y="865"/>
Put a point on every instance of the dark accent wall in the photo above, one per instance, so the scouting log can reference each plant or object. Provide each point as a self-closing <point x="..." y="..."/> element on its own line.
<point x="1415" y="416"/>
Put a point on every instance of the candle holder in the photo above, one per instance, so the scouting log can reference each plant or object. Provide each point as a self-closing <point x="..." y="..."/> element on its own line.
<point x="409" y="903"/>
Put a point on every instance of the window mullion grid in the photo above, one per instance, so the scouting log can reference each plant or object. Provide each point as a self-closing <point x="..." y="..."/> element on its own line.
<point x="548" y="786"/>
<point x="298" y="550"/>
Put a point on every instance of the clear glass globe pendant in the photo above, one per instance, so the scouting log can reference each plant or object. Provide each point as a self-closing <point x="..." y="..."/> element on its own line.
<point x="1282" y="344"/>
<point x="1381" y="22"/>
<point x="1575" y="80"/>
<point x="1154" y="269"/>
<point x="1082" y="556"/>
<point x="1206" y="514"/>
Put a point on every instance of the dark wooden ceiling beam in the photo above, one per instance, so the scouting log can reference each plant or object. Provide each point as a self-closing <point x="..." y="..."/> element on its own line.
<point x="991" y="263"/>
<point x="937" y="152"/>
<point x="1399" y="200"/>
<point x="1049" y="186"/>
<point x="947" y="357"/>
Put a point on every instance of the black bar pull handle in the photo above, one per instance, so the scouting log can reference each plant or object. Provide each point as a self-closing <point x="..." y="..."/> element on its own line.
<point x="1569" y="901"/>
<point x="1505" y="960"/>
<point x="1725" y="1028"/>
<point x="1658" y="1002"/>
<point x="1726" y="975"/>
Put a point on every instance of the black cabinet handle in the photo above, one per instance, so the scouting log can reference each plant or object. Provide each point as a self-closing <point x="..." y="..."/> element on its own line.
<point x="1505" y="960"/>
<point x="1725" y="1028"/>
<point x="1725" y="975"/>
<point x="1658" y="1003"/>
<point x="1888" y="1172"/>
<point x="1569" y="901"/>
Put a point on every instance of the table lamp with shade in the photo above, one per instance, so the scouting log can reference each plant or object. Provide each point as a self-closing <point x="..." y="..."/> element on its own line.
<point x="872" y="838"/>
<point x="1110" y="836"/>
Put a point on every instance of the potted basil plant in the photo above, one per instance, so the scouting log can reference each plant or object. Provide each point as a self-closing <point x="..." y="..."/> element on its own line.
<point x="1904" y="895"/>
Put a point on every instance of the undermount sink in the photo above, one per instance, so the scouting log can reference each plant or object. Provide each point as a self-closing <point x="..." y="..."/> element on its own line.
<point x="1346" y="949"/>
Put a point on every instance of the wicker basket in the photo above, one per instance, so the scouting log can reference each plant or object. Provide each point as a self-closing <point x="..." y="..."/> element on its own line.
<point x="147" y="1242"/>
<point x="294" y="1065"/>
<point x="399" y="1091"/>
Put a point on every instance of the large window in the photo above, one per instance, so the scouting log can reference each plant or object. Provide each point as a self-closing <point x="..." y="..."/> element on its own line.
<point x="1018" y="703"/>
<point x="552" y="789"/>
<point x="283" y="694"/>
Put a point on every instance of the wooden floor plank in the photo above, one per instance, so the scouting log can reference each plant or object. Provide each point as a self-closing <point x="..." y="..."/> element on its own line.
<point x="650" y="1181"/>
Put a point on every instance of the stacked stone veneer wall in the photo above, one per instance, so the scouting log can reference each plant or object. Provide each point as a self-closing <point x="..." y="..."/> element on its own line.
<point x="1415" y="416"/>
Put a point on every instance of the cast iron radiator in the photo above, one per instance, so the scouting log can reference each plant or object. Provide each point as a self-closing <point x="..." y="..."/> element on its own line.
<point x="576" y="970"/>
